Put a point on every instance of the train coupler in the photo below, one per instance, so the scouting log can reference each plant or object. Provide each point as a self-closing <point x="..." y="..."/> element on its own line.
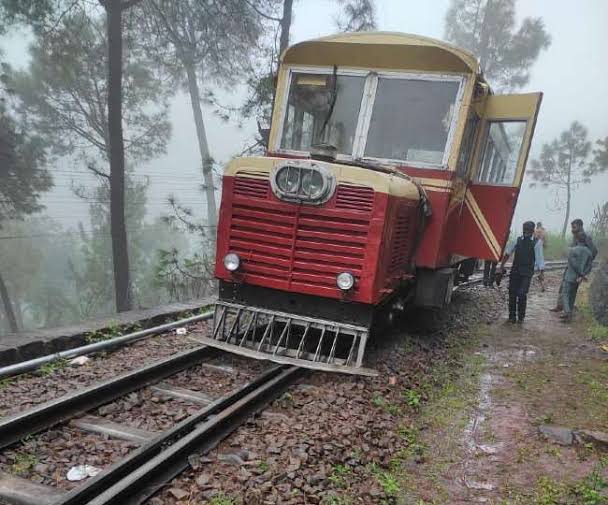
<point x="288" y="339"/>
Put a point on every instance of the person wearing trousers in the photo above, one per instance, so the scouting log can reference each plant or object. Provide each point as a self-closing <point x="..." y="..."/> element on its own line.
<point x="577" y="229"/>
<point x="580" y="260"/>
<point x="526" y="255"/>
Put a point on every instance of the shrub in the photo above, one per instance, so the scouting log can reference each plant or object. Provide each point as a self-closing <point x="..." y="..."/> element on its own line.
<point x="598" y="294"/>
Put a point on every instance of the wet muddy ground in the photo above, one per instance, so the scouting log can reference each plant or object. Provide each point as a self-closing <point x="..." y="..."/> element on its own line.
<point x="487" y="440"/>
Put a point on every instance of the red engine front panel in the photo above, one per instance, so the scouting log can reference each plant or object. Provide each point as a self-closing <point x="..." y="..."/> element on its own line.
<point x="302" y="248"/>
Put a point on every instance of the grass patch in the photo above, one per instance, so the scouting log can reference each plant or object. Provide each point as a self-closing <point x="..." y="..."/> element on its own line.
<point x="380" y="402"/>
<point x="222" y="499"/>
<point x="339" y="474"/>
<point x="336" y="500"/>
<point x="388" y="480"/>
<point x="112" y="331"/>
<point x="587" y="491"/>
<point x="6" y="382"/>
<point x="53" y="366"/>
<point x="23" y="463"/>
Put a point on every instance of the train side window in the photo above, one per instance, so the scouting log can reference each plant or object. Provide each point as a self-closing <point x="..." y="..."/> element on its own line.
<point x="468" y="143"/>
<point x="501" y="152"/>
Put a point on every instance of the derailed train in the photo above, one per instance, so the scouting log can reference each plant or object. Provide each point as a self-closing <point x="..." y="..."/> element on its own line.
<point x="390" y="165"/>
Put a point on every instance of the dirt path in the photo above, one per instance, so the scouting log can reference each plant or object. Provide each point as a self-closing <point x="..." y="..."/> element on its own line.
<point x="483" y="442"/>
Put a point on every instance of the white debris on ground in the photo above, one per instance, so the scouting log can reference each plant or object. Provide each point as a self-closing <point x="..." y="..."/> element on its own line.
<point x="79" y="361"/>
<point x="81" y="472"/>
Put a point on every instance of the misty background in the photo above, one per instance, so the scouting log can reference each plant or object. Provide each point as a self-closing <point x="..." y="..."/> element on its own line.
<point x="571" y="73"/>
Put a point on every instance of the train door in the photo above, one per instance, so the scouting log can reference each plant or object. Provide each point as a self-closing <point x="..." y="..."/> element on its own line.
<point x="507" y="126"/>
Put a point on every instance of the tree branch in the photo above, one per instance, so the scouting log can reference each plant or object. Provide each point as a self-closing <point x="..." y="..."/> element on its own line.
<point x="263" y="14"/>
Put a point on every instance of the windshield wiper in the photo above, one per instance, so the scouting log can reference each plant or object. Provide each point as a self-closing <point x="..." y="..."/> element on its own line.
<point x="334" y="95"/>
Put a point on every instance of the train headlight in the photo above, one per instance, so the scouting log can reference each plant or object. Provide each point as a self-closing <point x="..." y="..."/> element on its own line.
<point x="313" y="184"/>
<point x="288" y="179"/>
<point x="232" y="262"/>
<point x="303" y="182"/>
<point x="345" y="281"/>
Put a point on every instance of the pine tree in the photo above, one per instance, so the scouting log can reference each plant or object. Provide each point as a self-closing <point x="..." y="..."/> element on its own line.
<point x="487" y="29"/>
<point x="564" y="164"/>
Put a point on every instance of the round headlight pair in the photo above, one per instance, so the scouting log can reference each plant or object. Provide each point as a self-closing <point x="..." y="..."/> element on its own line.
<point x="232" y="262"/>
<point x="303" y="183"/>
<point x="345" y="281"/>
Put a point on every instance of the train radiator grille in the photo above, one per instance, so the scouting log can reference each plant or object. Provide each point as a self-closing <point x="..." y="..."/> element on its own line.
<point x="293" y="246"/>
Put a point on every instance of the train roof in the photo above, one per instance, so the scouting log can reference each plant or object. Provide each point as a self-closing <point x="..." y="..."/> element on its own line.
<point x="398" y="51"/>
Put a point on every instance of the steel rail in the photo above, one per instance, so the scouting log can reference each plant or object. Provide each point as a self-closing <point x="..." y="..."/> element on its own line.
<point x="549" y="266"/>
<point x="32" y="364"/>
<point x="142" y="473"/>
<point x="48" y="414"/>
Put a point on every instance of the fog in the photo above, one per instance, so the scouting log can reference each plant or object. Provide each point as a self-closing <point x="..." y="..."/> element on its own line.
<point x="571" y="74"/>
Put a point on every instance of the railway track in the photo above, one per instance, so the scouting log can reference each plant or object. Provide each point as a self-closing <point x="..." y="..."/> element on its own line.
<point x="477" y="278"/>
<point x="160" y="456"/>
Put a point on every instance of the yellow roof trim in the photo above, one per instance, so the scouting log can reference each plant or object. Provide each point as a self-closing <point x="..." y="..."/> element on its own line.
<point x="400" y="51"/>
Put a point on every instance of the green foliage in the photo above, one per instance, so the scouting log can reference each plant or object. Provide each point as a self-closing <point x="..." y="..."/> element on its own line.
<point x="564" y="164"/>
<point x="381" y="402"/>
<point x="487" y="29"/>
<point x="336" y="500"/>
<point x="412" y="398"/>
<point x="53" y="366"/>
<point x="6" y="382"/>
<point x="23" y="177"/>
<point x="222" y="499"/>
<point x="587" y="491"/>
<point x="112" y="331"/>
<point x="338" y="475"/>
<point x="387" y="480"/>
<point x="23" y="463"/>
<point x="357" y="16"/>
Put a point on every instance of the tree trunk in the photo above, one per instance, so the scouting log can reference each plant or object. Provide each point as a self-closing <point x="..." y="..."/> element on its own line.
<point x="120" y="255"/>
<point x="8" y="307"/>
<point x="568" y="199"/>
<point x="203" y="147"/>
<point x="484" y="37"/>
<point x="285" y="25"/>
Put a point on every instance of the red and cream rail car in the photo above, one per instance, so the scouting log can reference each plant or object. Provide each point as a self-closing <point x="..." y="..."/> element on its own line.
<point x="390" y="163"/>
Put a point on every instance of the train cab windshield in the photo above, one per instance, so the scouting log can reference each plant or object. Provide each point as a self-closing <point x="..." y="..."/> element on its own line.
<point x="400" y="118"/>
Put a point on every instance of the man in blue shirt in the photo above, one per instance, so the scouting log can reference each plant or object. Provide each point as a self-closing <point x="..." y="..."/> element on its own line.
<point x="527" y="255"/>
<point x="580" y="260"/>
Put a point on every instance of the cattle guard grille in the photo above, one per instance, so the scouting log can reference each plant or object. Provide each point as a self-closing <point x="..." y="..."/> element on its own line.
<point x="288" y="338"/>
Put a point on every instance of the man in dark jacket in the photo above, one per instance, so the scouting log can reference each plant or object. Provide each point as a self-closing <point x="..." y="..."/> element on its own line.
<point x="524" y="252"/>
<point x="578" y="236"/>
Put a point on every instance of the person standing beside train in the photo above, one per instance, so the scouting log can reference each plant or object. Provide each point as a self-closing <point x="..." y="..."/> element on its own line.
<point x="527" y="255"/>
<point x="579" y="265"/>
<point x="540" y="234"/>
<point x="577" y="229"/>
